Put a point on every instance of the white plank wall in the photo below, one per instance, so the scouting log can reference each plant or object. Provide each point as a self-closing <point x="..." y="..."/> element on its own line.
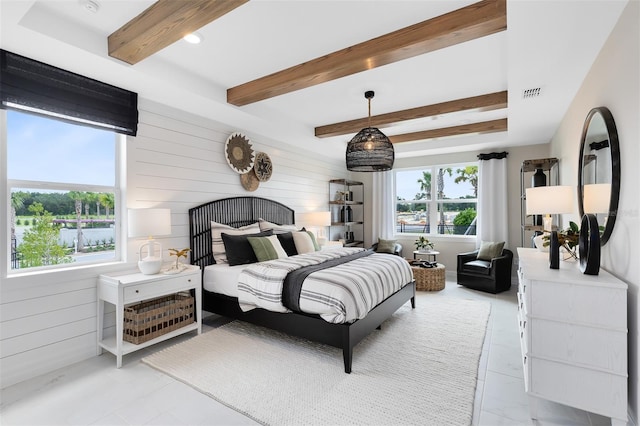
<point x="48" y="320"/>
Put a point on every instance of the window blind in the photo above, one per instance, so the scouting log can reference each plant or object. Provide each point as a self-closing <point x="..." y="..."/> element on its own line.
<point x="34" y="86"/>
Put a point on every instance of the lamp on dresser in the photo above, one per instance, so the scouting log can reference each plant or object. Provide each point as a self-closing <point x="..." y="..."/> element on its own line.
<point x="548" y="200"/>
<point x="596" y="198"/>
<point x="149" y="223"/>
<point x="317" y="220"/>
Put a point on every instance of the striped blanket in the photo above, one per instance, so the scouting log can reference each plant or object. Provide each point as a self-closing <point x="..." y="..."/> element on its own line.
<point x="339" y="294"/>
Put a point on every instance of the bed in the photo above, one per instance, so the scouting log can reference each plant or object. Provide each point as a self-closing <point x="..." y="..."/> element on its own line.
<point x="242" y="211"/>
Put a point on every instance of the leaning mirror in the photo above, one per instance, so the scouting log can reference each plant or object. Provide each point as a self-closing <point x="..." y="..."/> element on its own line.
<point x="599" y="170"/>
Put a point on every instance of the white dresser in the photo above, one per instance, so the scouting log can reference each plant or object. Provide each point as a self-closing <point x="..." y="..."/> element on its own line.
<point x="573" y="335"/>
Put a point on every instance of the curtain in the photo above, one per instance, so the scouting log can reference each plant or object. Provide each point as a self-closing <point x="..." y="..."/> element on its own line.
<point x="29" y="85"/>
<point x="383" y="211"/>
<point x="492" y="220"/>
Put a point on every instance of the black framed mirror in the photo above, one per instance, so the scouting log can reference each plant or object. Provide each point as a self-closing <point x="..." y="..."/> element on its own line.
<point x="599" y="170"/>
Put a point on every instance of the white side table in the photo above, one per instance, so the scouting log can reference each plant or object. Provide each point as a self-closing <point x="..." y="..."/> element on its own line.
<point x="133" y="287"/>
<point x="433" y="253"/>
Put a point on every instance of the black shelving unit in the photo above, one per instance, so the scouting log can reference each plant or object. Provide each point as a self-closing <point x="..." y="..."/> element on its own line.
<point x="347" y="195"/>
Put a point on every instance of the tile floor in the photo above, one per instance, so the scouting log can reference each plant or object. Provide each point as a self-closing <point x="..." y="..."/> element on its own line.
<point x="94" y="392"/>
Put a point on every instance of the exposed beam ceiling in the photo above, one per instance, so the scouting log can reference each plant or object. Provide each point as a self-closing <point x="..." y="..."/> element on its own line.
<point x="468" y="23"/>
<point x="487" y="102"/>
<point x="479" y="128"/>
<point x="164" y="23"/>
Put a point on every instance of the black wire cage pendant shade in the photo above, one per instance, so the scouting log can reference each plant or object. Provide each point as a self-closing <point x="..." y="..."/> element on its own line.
<point x="370" y="150"/>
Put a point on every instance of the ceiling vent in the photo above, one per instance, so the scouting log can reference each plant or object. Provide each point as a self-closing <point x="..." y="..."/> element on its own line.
<point x="531" y="93"/>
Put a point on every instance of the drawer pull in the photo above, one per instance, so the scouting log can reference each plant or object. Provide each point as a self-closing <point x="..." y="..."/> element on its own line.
<point x="189" y="280"/>
<point x="137" y="291"/>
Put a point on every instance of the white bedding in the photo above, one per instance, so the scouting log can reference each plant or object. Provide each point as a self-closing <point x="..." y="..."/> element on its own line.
<point x="222" y="278"/>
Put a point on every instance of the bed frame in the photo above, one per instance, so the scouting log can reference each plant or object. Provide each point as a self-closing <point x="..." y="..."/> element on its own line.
<point x="241" y="211"/>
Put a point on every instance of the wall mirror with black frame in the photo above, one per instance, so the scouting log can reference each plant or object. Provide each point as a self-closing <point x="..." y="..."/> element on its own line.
<point x="599" y="170"/>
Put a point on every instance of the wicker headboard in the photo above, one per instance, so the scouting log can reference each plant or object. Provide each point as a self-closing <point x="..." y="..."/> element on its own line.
<point x="236" y="212"/>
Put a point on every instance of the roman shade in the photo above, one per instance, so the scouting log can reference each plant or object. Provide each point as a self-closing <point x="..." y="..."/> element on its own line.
<point x="26" y="84"/>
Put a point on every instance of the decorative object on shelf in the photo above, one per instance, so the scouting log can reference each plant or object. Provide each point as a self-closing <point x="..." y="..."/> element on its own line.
<point x="178" y="267"/>
<point x="423" y="244"/>
<point x="370" y="150"/>
<point x="147" y="223"/>
<point x="263" y="167"/>
<point x="538" y="179"/>
<point x="548" y="200"/>
<point x="589" y="246"/>
<point x="238" y="153"/>
<point x="249" y="181"/>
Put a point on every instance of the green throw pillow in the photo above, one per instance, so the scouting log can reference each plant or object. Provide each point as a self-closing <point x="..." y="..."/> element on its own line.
<point x="316" y="246"/>
<point x="267" y="248"/>
<point x="489" y="250"/>
<point x="386" y="246"/>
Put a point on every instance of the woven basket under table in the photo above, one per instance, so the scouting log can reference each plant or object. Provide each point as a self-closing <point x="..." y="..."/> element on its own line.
<point x="429" y="279"/>
<point x="147" y="320"/>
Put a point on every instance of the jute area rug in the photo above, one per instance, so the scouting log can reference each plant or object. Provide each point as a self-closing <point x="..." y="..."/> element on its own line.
<point x="420" y="369"/>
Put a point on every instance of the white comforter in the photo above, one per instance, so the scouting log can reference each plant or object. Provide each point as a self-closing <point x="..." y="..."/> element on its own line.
<point x="339" y="294"/>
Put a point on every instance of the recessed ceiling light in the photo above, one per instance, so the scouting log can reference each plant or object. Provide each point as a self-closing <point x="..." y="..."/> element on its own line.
<point x="90" y="5"/>
<point x="193" y="38"/>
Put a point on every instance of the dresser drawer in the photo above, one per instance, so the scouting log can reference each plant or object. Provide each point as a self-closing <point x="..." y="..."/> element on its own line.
<point x="143" y="291"/>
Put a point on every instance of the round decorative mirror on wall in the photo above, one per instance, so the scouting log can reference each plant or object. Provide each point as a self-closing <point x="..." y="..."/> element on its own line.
<point x="599" y="170"/>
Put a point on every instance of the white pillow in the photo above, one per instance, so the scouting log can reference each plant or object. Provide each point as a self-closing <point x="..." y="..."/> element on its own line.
<point x="305" y="242"/>
<point x="277" y="229"/>
<point x="217" y="245"/>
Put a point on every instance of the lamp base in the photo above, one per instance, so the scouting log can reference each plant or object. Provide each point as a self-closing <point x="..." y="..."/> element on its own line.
<point x="554" y="251"/>
<point x="150" y="264"/>
<point x="589" y="245"/>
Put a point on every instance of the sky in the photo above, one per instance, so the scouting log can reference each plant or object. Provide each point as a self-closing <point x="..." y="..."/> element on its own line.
<point x="50" y="150"/>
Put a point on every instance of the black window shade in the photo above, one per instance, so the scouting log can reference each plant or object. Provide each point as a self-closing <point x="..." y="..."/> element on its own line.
<point x="34" y="86"/>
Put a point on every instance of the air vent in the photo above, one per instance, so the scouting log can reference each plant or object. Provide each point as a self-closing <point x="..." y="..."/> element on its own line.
<point x="531" y="93"/>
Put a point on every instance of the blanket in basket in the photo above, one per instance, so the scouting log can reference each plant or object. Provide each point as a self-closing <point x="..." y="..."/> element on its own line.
<point x="339" y="294"/>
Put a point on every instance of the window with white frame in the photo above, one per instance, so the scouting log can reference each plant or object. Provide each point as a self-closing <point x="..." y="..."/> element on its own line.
<point x="437" y="200"/>
<point x="63" y="190"/>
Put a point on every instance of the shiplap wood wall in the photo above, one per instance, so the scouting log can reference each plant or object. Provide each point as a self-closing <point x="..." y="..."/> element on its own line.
<point x="48" y="320"/>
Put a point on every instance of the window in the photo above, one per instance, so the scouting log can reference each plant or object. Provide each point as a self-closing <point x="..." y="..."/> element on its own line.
<point x="437" y="200"/>
<point x="63" y="189"/>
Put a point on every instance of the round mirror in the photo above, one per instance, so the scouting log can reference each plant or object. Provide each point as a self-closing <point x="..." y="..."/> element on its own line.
<point x="599" y="170"/>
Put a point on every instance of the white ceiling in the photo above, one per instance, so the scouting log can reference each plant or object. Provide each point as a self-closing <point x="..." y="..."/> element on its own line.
<point x="548" y="44"/>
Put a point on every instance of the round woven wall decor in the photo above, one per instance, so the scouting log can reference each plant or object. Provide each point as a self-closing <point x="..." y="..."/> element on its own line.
<point x="263" y="167"/>
<point x="238" y="153"/>
<point x="249" y="181"/>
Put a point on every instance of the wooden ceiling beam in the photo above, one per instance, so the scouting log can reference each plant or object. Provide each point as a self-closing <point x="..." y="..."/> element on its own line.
<point x="489" y="102"/>
<point x="468" y="23"/>
<point x="164" y="23"/>
<point x="492" y="126"/>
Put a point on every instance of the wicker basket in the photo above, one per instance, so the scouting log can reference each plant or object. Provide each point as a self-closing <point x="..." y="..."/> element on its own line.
<point x="150" y="319"/>
<point x="429" y="279"/>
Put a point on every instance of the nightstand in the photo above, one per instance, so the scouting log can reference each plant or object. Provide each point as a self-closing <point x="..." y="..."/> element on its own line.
<point x="133" y="287"/>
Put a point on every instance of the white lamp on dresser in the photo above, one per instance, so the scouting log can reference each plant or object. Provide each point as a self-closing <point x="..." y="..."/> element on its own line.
<point x="573" y="336"/>
<point x="149" y="223"/>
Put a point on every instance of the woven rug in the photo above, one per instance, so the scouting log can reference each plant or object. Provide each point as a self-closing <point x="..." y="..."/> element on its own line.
<point x="420" y="369"/>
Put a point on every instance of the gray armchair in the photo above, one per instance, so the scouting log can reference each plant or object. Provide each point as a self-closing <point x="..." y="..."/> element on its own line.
<point x="491" y="276"/>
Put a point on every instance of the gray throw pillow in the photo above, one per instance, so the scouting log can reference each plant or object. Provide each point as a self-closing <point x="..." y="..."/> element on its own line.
<point x="386" y="246"/>
<point x="489" y="250"/>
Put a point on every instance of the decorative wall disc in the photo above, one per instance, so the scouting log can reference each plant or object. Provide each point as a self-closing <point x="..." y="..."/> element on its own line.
<point x="263" y="167"/>
<point x="238" y="153"/>
<point x="249" y="181"/>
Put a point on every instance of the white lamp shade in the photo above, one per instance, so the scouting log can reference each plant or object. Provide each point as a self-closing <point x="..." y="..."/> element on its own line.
<point x="149" y="222"/>
<point x="550" y="199"/>
<point x="596" y="198"/>
<point x="314" y="219"/>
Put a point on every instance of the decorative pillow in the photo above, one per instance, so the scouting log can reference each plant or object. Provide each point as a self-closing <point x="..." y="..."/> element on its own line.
<point x="267" y="248"/>
<point x="217" y="245"/>
<point x="489" y="250"/>
<point x="386" y="246"/>
<point x="239" y="250"/>
<point x="277" y="229"/>
<point x="305" y="242"/>
<point x="286" y="240"/>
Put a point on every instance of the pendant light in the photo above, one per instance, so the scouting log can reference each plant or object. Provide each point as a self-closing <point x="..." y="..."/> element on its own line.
<point x="370" y="150"/>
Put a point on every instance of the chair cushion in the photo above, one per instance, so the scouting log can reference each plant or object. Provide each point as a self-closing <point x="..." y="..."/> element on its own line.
<point x="489" y="250"/>
<point x="386" y="246"/>
<point x="478" y="267"/>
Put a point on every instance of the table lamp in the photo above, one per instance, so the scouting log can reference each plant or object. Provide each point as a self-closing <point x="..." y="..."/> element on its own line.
<point x="548" y="200"/>
<point x="149" y="223"/>
<point x="317" y="220"/>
